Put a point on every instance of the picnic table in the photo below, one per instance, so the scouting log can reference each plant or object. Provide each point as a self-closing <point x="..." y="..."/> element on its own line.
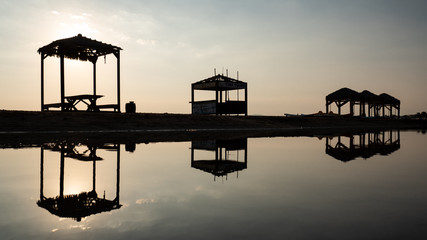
<point x="71" y="102"/>
<point x="88" y="99"/>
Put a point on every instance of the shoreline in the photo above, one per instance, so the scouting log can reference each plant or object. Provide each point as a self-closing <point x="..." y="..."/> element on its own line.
<point x="28" y="127"/>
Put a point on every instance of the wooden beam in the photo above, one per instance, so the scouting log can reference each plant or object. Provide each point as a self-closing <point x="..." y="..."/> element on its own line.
<point x="246" y="102"/>
<point x="192" y="98"/>
<point x="42" y="80"/>
<point x="117" y="54"/>
<point x="62" y="82"/>
<point x="94" y="75"/>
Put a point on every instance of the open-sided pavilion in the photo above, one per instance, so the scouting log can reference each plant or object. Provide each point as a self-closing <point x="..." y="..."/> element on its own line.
<point x="83" y="49"/>
<point x="223" y="104"/>
<point x="378" y="105"/>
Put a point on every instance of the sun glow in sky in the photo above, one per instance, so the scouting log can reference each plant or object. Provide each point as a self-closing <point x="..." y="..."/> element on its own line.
<point x="291" y="53"/>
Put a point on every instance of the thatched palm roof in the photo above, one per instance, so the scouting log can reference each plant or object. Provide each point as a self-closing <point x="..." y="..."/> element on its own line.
<point x="367" y="96"/>
<point x="78" y="47"/>
<point x="387" y="99"/>
<point x="343" y="94"/>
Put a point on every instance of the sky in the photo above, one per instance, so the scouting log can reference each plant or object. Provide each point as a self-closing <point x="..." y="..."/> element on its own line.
<point x="291" y="53"/>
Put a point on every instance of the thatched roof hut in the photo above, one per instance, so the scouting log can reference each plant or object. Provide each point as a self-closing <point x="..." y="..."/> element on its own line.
<point x="374" y="102"/>
<point x="83" y="49"/>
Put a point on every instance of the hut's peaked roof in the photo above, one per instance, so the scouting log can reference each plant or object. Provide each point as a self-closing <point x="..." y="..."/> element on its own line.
<point x="343" y="94"/>
<point x="388" y="99"/>
<point x="219" y="78"/>
<point x="346" y="94"/>
<point x="219" y="82"/>
<point x="368" y="96"/>
<point x="78" y="47"/>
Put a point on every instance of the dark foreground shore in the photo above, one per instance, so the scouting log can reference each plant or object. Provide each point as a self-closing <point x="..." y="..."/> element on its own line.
<point x="35" y="127"/>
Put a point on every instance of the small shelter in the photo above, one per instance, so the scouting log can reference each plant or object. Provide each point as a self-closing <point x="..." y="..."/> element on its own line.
<point x="376" y="104"/>
<point x="222" y="85"/>
<point x="342" y="97"/>
<point x="83" y="49"/>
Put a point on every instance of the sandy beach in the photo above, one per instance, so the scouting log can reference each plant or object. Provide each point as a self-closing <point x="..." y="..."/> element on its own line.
<point x="26" y="127"/>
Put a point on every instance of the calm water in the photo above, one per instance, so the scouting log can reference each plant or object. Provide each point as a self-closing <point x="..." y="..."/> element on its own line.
<point x="269" y="188"/>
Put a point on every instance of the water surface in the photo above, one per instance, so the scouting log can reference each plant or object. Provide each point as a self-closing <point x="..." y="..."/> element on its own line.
<point x="269" y="188"/>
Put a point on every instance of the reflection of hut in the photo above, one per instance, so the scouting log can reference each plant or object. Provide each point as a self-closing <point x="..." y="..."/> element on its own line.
<point x="374" y="102"/>
<point x="227" y="158"/>
<point x="83" y="49"/>
<point x="368" y="145"/>
<point x="223" y="103"/>
<point x="78" y="206"/>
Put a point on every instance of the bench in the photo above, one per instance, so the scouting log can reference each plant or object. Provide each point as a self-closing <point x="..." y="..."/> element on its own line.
<point x="56" y="105"/>
<point x="115" y="107"/>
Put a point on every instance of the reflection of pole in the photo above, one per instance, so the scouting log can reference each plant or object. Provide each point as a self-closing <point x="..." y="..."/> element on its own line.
<point x="118" y="173"/>
<point x="94" y="175"/>
<point x="246" y="153"/>
<point x="41" y="172"/>
<point x="61" y="175"/>
<point x="192" y="153"/>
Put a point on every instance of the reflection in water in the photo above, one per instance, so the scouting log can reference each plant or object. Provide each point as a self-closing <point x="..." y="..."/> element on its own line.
<point x="286" y="192"/>
<point x="225" y="161"/>
<point x="78" y="206"/>
<point x="363" y="145"/>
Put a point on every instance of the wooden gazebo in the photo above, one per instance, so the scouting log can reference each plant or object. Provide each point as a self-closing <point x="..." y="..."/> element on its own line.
<point x="223" y="104"/>
<point x="83" y="49"/>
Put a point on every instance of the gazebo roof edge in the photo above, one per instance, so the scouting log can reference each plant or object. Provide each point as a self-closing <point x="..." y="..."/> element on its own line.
<point x="78" y="47"/>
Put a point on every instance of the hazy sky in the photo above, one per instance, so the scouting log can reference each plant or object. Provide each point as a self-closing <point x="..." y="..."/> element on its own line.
<point x="291" y="53"/>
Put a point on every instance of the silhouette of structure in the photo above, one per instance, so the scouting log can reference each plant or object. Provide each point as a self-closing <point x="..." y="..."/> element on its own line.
<point x="378" y="105"/>
<point x="222" y="85"/>
<point x="364" y="145"/>
<point x="83" y="49"/>
<point x="226" y="156"/>
<point x="78" y="206"/>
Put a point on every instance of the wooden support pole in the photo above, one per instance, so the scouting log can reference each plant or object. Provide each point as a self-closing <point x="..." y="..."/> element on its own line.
<point x="246" y="100"/>
<point x="192" y="98"/>
<point x="398" y="111"/>
<point x="216" y="98"/>
<point x="42" y="80"/>
<point x="117" y="54"/>
<point x="383" y="110"/>
<point x="94" y="76"/>
<point x="62" y="82"/>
